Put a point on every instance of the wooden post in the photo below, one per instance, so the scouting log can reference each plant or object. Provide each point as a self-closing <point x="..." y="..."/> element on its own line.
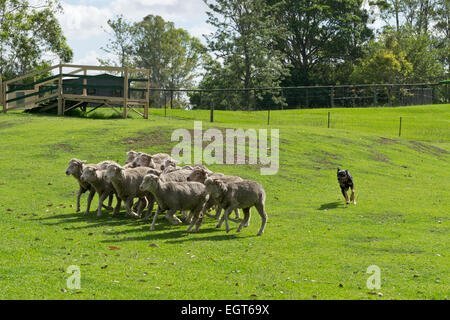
<point x="328" y="120"/>
<point x="268" y="117"/>
<point x="147" y="95"/>
<point x="400" y="128"/>
<point x="171" y="99"/>
<point x="165" y="103"/>
<point x="211" y="116"/>
<point x="2" y="97"/>
<point x="332" y="97"/>
<point x="85" y="82"/>
<point x="125" y="92"/>
<point x="5" y="97"/>
<point x="60" y="92"/>
<point x="375" y="96"/>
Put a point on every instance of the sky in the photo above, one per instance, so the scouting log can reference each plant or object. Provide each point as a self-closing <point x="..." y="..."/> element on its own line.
<point x="84" y="21"/>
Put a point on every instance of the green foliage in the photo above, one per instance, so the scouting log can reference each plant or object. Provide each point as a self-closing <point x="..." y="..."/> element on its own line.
<point x="29" y="32"/>
<point x="244" y="44"/>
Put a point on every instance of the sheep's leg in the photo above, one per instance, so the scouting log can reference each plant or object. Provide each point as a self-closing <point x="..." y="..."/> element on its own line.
<point x="170" y="215"/>
<point x="237" y="219"/>
<point x="263" y="214"/>
<point x="141" y="206"/>
<point x="226" y="217"/>
<point x="89" y="200"/>
<point x="118" y="205"/>
<point x="151" y="204"/>
<point x="192" y="223"/>
<point x="129" y="207"/>
<point x="218" y="212"/>
<point x="80" y="192"/>
<point x="110" y="200"/>
<point x="245" y="220"/>
<point x="101" y="198"/>
<point x="152" y="227"/>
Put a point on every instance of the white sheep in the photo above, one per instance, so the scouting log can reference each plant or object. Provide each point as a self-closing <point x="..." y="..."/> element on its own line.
<point x="241" y="194"/>
<point x="126" y="182"/>
<point x="95" y="176"/>
<point x="174" y="196"/>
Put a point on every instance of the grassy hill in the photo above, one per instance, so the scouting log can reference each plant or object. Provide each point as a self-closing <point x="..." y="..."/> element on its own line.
<point x="315" y="246"/>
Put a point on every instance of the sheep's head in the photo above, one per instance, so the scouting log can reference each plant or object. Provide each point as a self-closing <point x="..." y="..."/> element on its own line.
<point x="169" y="163"/>
<point x="144" y="160"/>
<point x="131" y="155"/>
<point x="198" y="175"/>
<point x="105" y="164"/>
<point x="75" y="167"/>
<point x="89" y="173"/>
<point x="215" y="187"/>
<point x="113" y="171"/>
<point x="149" y="182"/>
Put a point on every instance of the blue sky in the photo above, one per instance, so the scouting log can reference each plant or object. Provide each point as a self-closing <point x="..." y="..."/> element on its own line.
<point x="82" y="21"/>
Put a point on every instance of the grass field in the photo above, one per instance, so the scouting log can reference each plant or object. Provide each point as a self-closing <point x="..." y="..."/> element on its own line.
<point x="314" y="246"/>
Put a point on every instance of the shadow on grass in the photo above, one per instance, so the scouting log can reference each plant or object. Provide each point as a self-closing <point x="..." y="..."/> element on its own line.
<point x="105" y="220"/>
<point x="332" y="205"/>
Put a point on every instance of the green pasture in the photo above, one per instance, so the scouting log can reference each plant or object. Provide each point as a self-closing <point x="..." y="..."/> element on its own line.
<point x="314" y="247"/>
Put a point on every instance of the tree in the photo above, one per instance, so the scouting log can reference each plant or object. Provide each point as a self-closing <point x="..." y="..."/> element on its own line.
<point x="28" y="34"/>
<point x="244" y="43"/>
<point x="325" y="35"/>
<point x="171" y="54"/>
<point x="120" y="45"/>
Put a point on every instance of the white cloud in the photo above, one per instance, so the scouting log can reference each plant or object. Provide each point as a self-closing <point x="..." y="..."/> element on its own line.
<point x="80" y="22"/>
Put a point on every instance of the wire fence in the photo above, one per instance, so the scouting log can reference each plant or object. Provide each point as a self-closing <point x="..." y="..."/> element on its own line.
<point x="281" y="98"/>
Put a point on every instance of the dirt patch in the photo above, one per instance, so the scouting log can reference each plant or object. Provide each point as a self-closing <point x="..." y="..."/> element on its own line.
<point x="61" y="147"/>
<point x="6" y="124"/>
<point x="424" y="148"/>
<point x="386" y="141"/>
<point x="158" y="137"/>
<point x="379" y="157"/>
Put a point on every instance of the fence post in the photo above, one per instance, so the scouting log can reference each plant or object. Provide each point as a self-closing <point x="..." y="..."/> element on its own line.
<point x="125" y="93"/>
<point x="328" y="120"/>
<point x="375" y="102"/>
<point x="268" y="117"/>
<point x="2" y="97"/>
<point x="211" y="115"/>
<point x="60" y="89"/>
<point x="165" y="103"/>
<point x="400" y="128"/>
<point x="171" y="99"/>
<point x="332" y="96"/>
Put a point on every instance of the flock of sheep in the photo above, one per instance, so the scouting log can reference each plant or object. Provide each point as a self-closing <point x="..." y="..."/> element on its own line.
<point x="193" y="190"/>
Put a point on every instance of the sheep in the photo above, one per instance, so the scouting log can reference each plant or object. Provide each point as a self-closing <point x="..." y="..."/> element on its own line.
<point x="174" y="196"/>
<point x="126" y="182"/>
<point x="95" y="176"/>
<point x="169" y="165"/>
<point x="240" y="194"/>
<point x="75" y="168"/>
<point x="200" y="175"/>
<point x="131" y="155"/>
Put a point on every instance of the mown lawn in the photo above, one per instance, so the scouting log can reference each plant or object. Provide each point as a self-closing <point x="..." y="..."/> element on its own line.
<point x="314" y="246"/>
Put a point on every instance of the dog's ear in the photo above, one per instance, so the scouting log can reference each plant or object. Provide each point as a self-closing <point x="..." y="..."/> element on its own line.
<point x="338" y="170"/>
<point x="346" y="171"/>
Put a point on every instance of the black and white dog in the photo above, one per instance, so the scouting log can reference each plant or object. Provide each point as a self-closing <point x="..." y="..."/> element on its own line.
<point x="345" y="182"/>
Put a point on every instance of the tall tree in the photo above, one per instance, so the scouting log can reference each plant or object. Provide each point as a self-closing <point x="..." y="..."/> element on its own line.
<point x="244" y="43"/>
<point x="30" y="36"/>
<point x="120" y="44"/>
<point x="322" y="33"/>
<point x="171" y="54"/>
